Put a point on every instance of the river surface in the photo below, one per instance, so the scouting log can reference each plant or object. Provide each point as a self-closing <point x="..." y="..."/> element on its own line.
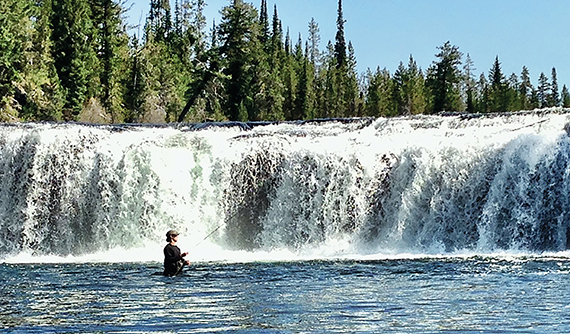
<point x="493" y="294"/>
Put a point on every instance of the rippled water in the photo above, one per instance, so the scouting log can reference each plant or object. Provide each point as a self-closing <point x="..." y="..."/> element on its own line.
<point x="428" y="295"/>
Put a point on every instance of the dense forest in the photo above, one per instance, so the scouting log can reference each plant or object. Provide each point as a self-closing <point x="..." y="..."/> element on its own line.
<point x="74" y="60"/>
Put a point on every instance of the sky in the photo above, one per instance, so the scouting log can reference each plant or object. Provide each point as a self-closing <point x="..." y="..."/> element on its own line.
<point x="531" y="33"/>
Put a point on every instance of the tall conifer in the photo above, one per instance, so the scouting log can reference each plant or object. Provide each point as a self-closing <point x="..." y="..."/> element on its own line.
<point x="340" y="43"/>
<point x="554" y="93"/>
<point x="543" y="91"/>
<point x="444" y="78"/>
<point x="74" y="53"/>
<point x="525" y="89"/>
<point x="565" y="97"/>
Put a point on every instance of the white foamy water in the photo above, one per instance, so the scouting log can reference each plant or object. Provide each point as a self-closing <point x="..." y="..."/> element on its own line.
<point x="370" y="188"/>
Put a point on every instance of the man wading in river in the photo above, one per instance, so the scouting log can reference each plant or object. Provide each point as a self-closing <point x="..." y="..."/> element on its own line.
<point x="173" y="259"/>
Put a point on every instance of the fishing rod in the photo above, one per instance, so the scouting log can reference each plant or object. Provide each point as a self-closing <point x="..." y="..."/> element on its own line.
<point x="210" y="234"/>
<point x="217" y="228"/>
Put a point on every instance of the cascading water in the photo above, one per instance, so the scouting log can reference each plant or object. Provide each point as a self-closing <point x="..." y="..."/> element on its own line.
<point x="422" y="184"/>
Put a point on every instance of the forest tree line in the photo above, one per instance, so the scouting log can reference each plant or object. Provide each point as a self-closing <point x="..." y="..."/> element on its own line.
<point x="74" y="60"/>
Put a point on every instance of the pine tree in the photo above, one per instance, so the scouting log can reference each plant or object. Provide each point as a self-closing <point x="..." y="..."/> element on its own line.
<point x="554" y="98"/>
<point x="525" y="89"/>
<point x="270" y="97"/>
<point x="512" y="93"/>
<point x="306" y="97"/>
<point x="409" y="89"/>
<point x="159" y="21"/>
<point x="543" y="91"/>
<point x="469" y="77"/>
<point x="276" y="50"/>
<point x="288" y="47"/>
<point x="264" y="22"/>
<point x="565" y="97"/>
<point x="75" y="59"/>
<point x="29" y="87"/>
<point x="15" y="30"/>
<point x="134" y="87"/>
<point x="238" y="32"/>
<point x="341" y="91"/>
<point x="379" y="101"/>
<point x="340" y="43"/>
<point x="444" y="78"/>
<point x="482" y="100"/>
<point x="497" y="91"/>
<point x="112" y="43"/>
<point x="314" y="54"/>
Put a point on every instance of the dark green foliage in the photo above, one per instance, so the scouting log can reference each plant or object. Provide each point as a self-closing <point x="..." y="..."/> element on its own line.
<point x="543" y="91"/>
<point x="554" y="98"/>
<point x="444" y="77"/>
<point x="525" y="90"/>
<point x="239" y="33"/>
<point x="74" y="52"/>
<point x="73" y="60"/>
<point x="340" y="45"/>
<point x="409" y="89"/>
<point x="379" y="95"/>
<point x="565" y="97"/>
<point x="498" y="97"/>
<point x="470" y="85"/>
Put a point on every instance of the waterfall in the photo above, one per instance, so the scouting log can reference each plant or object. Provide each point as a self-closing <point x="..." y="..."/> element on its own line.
<point x="416" y="184"/>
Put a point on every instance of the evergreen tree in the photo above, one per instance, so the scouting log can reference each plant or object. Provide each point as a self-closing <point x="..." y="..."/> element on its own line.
<point x="498" y="100"/>
<point x="112" y="43"/>
<point x="534" y="99"/>
<point x="134" y="86"/>
<point x="512" y="93"/>
<point x="314" y="40"/>
<point x="306" y="97"/>
<point x="75" y="59"/>
<point x="288" y="47"/>
<point x="164" y="64"/>
<point x="565" y="97"/>
<point x="468" y="69"/>
<point x="341" y="91"/>
<point x="238" y="32"/>
<point x="525" y="89"/>
<point x="271" y="97"/>
<point x="543" y="91"/>
<point x="276" y="50"/>
<point x="379" y="101"/>
<point x="264" y="22"/>
<point x="353" y="106"/>
<point x="15" y="30"/>
<point x="444" y="78"/>
<point x="340" y="43"/>
<point x="29" y="87"/>
<point x="289" y="72"/>
<point x="409" y="89"/>
<point x="159" y="20"/>
<point x="554" y="99"/>
<point x="482" y="100"/>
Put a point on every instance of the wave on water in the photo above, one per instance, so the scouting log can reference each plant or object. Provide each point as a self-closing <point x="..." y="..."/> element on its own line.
<point x="354" y="188"/>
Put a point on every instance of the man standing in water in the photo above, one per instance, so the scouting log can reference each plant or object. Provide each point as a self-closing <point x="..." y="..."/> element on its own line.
<point x="173" y="259"/>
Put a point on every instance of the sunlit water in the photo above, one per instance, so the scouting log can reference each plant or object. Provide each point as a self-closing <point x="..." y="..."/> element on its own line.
<point x="422" y="295"/>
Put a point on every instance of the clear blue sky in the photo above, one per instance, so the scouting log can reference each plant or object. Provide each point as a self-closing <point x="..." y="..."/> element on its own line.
<point x="531" y="33"/>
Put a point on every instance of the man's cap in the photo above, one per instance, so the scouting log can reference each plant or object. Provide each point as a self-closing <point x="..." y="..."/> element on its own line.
<point x="171" y="233"/>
